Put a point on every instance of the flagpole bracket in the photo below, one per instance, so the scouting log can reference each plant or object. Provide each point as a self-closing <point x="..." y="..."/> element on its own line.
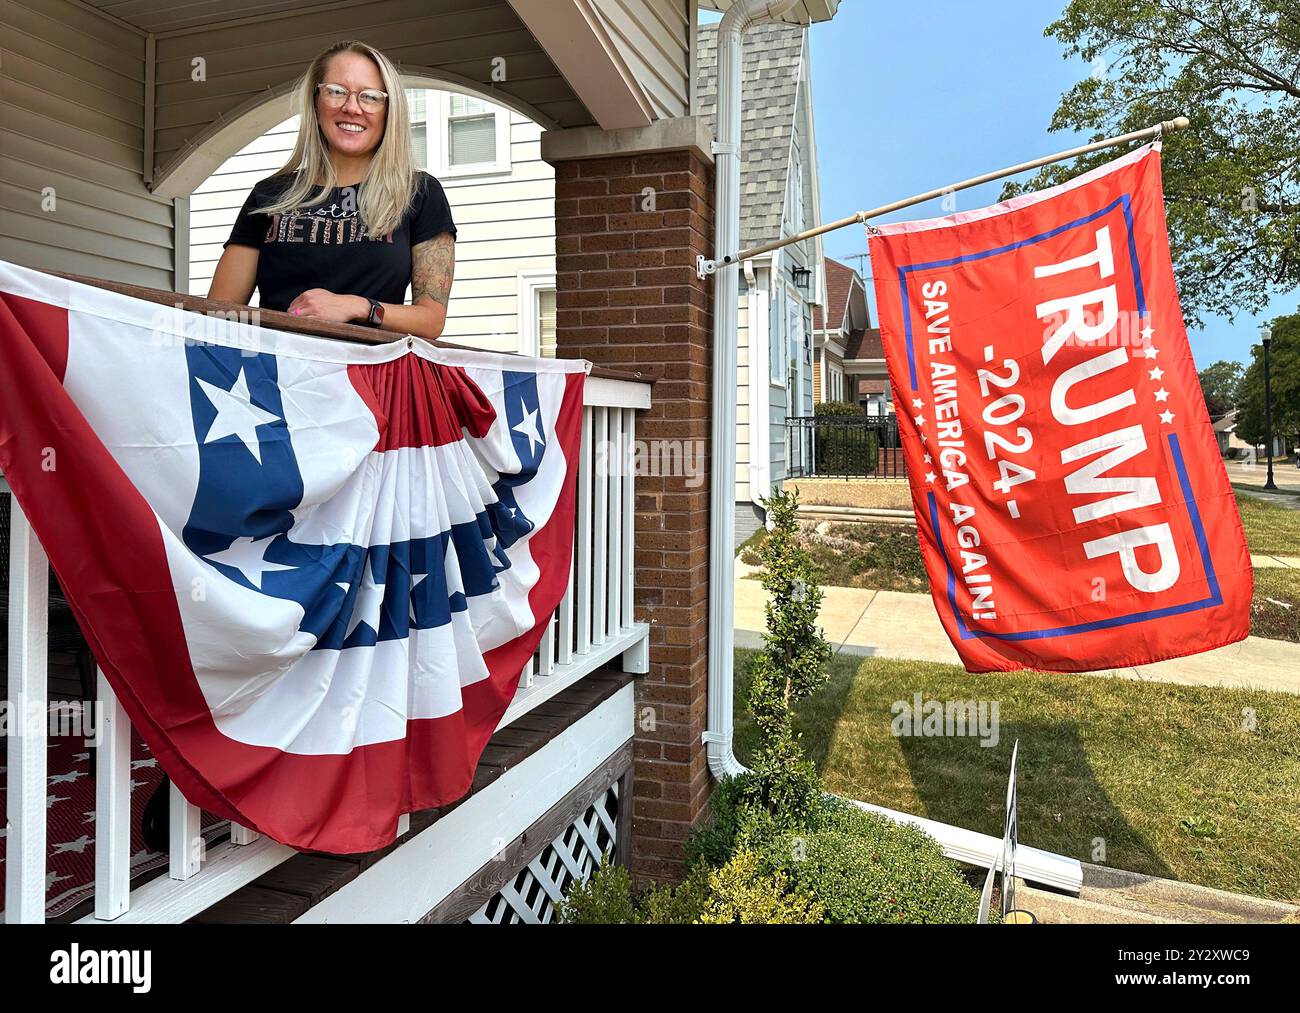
<point x="705" y="267"/>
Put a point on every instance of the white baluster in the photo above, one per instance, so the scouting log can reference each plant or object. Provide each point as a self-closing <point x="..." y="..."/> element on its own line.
<point x="546" y="649"/>
<point x="600" y="527"/>
<point x="564" y="616"/>
<point x="185" y="845"/>
<point x="28" y="695"/>
<point x="614" y="577"/>
<point x="629" y="514"/>
<point x="241" y="835"/>
<point x="112" y="806"/>
<point x="586" y="467"/>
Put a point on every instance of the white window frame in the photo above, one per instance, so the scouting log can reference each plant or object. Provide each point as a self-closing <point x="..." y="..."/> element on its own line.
<point x="778" y="357"/>
<point x="437" y="125"/>
<point x="794" y="310"/>
<point x="529" y="283"/>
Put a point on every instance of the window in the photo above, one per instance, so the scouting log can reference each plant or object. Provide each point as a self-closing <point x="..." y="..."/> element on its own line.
<point x="471" y="132"/>
<point x="777" y="346"/>
<point x="797" y="354"/>
<point x="545" y="310"/>
<point x="536" y="313"/>
<point x="419" y="106"/>
<point x="458" y="135"/>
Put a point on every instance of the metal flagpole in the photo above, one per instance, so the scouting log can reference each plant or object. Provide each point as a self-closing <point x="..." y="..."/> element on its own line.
<point x="705" y="267"/>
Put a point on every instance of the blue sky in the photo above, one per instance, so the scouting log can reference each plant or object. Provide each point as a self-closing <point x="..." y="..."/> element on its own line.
<point x="916" y="95"/>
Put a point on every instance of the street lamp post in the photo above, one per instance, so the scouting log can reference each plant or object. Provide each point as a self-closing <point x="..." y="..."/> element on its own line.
<point x="1266" y="338"/>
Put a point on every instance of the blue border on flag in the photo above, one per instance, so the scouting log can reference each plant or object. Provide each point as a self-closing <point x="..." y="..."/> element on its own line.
<point x="1123" y="200"/>
<point x="1193" y="514"/>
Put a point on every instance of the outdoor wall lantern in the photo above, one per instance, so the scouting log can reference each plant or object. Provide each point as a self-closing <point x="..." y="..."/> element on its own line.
<point x="802" y="277"/>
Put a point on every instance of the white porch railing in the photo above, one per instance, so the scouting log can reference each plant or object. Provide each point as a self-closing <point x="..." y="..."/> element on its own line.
<point x="593" y="625"/>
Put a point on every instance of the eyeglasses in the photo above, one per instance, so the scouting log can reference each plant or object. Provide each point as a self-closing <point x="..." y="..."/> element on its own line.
<point x="336" y="97"/>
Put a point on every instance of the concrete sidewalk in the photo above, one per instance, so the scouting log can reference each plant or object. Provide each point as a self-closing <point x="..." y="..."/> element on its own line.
<point x="889" y="624"/>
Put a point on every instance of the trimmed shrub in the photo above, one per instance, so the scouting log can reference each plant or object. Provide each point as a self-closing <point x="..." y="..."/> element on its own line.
<point x="607" y="898"/>
<point x="866" y="869"/>
<point x="853" y="450"/>
<point x="743" y="892"/>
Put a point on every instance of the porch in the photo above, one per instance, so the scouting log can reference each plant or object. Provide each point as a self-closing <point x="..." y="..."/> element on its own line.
<point x="115" y="112"/>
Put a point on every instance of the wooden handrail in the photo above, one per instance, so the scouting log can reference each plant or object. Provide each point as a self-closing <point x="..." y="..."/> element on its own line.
<point x="281" y="321"/>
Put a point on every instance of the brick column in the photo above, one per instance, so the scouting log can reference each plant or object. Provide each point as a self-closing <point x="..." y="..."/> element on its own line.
<point x="627" y="297"/>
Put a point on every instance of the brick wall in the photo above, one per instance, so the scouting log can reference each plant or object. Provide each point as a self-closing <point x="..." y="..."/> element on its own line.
<point x="627" y="296"/>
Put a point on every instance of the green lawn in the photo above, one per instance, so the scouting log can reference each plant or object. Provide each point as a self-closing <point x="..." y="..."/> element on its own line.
<point x="1270" y="529"/>
<point x="1170" y="778"/>
<point x="1275" y="609"/>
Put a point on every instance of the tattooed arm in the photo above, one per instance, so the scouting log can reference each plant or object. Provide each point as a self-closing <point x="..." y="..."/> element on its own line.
<point x="432" y="265"/>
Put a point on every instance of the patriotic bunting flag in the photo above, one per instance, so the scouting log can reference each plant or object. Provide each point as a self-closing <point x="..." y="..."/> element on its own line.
<point x="312" y="571"/>
<point x="1072" y="506"/>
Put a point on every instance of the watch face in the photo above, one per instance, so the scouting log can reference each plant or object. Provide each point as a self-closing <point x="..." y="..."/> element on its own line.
<point x="376" y="312"/>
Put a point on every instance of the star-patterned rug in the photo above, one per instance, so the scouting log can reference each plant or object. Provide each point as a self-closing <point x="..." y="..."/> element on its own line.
<point x="70" y="801"/>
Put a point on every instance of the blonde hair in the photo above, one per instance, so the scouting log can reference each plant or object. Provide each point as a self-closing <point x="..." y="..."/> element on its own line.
<point x="388" y="187"/>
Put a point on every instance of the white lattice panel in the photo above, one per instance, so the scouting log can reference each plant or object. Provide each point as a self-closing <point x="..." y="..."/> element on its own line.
<point x="530" y="897"/>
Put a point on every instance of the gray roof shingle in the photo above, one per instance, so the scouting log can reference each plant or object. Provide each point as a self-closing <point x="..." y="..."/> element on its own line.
<point x="771" y="79"/>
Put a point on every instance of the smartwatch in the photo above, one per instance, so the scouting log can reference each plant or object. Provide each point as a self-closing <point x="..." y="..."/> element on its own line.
<point x="376" y="316"/>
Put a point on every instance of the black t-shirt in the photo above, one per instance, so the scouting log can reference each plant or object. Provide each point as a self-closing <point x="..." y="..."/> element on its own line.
<point x="327" y="245"/>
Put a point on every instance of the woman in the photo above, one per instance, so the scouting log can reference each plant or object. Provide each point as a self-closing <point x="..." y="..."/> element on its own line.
<point x="342" y="229"/>
<point x="348" y="223"/>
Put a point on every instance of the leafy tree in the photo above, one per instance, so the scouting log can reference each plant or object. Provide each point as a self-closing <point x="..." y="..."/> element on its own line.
<point x="1221" y="385"/>
<point x="1232" y="182"/>
<point x="1284" y="370"/>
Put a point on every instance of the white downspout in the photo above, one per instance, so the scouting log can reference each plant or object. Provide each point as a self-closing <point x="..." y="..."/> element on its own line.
<point x="740" y="17"/>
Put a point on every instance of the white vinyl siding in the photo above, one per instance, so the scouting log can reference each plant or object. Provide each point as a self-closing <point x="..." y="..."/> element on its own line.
<point x="653" y="38"/>
<point x="72" y="148"/>
<point x="505" y="223"/>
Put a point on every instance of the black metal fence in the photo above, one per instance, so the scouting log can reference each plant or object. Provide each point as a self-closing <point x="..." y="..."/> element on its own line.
<point x="848" y="447"/>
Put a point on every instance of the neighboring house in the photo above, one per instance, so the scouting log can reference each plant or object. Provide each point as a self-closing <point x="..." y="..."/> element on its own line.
<point x="780" y="197"/>
<point x="1225" y="432"/>
<point x="502" y="195"/>
<point x="848" y="360"/>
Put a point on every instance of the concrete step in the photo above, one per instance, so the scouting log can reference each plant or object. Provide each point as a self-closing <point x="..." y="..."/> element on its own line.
<point x="1113" y="896"/>
<point x="848" y="514"/>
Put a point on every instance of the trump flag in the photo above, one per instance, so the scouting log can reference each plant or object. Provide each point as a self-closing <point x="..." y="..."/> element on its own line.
<point x="1072" y="507"/>
<point x="311" y="570"/>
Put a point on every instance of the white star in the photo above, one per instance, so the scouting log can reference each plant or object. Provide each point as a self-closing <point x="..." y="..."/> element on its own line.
<point x="1156" y="373"/>
<point x="1162" y="395"/>
<point x="78" y="846"/>
<point x="928" y="459"/>
<point x="248" y="556"/>
<point x="918" y="403"/>
<point x="930" y="476"/>
<point x="415" y="582"/>
<point x="67" y="778"/>
<point x="236" y="414"/>
<point x="53" y="877"/>
<point x="528" y="427"/>
<point x="1146" y="332"/>
<point x="369" y="603"/>
<point x="920" y="421"/>
<point x="1166" y="417"/>
<point x="1150" y="352"/>
<point x="52" y="800"/>
<point x="137" y="764"/>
